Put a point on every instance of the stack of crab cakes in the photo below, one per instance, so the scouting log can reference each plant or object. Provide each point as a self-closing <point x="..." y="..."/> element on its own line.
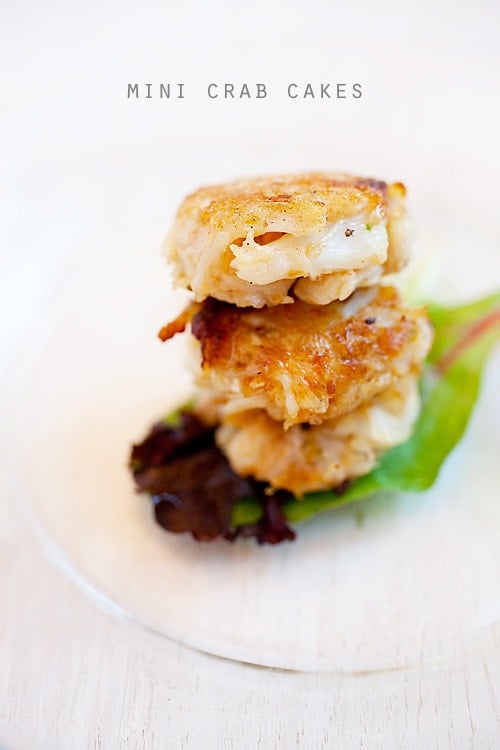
<point x="309" y="361"/>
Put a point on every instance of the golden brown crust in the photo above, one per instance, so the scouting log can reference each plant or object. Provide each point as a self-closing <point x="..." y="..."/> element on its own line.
<point x="263" y="211"/>
<point x="307" y="363"/>
<point x="306" y="197"/>
<point x="178" y="325"/>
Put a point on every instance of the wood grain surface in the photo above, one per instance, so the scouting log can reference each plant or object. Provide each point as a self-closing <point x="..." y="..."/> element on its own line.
<point x="85" y="169"/>
<point x="74" y="676"/>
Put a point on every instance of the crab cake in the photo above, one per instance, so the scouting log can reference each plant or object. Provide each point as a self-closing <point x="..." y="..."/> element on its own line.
<point x="309" y="458"/>
<point x="253" y="242"/>
<point x="309" y="363"/>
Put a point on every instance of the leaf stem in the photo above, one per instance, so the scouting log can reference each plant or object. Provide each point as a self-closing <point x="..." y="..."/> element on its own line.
<point x="477" y="329"/>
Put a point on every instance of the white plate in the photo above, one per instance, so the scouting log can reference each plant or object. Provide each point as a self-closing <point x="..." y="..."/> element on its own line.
<point x="390" y="583"/>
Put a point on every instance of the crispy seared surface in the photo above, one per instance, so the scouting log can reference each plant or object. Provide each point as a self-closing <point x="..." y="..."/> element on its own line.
<point x="308" y="363"/>
<point x="310" y="458"/>
<point x="307" y="197"/>
<point x="178" y="325"/>
<point x="248" y="241"/>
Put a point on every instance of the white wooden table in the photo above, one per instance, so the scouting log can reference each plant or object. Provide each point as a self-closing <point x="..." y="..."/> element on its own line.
<point x="71" y="674"/>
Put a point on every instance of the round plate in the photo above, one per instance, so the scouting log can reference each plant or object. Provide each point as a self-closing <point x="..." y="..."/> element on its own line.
<point x="391" y="582"/>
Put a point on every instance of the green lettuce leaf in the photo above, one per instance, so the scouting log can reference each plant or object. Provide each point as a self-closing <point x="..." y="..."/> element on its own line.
<point x="464" y="337"/>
